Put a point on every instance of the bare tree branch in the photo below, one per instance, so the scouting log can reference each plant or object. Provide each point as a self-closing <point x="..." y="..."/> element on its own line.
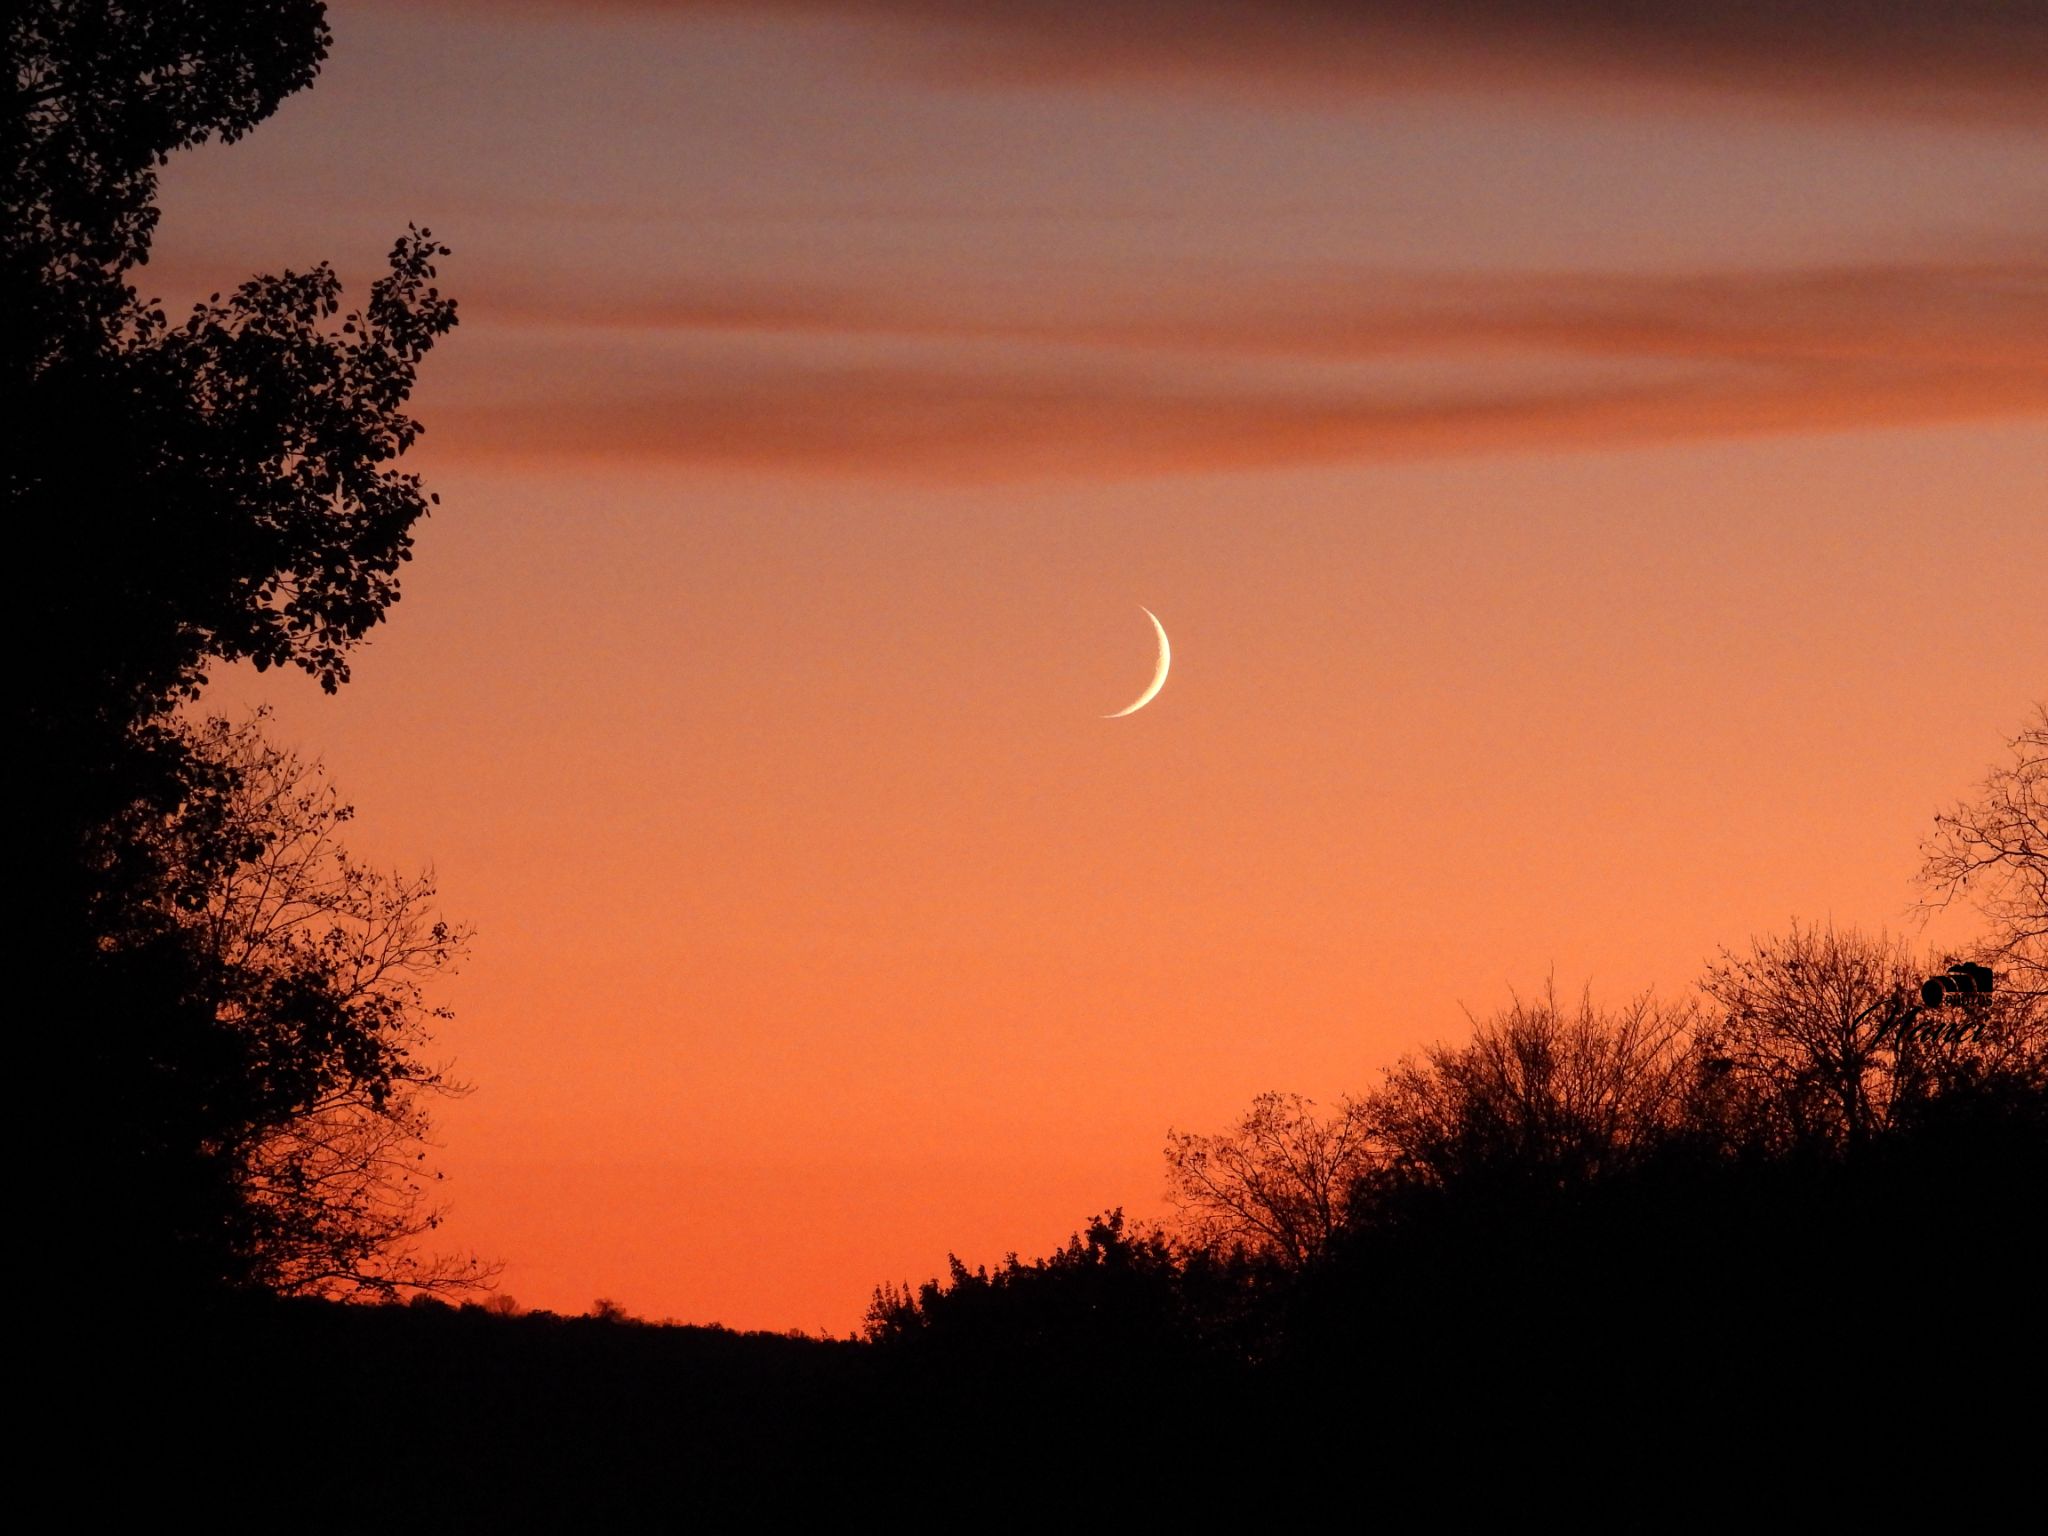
<point x="319" y="966"/>
<point x="1992" y="850"/>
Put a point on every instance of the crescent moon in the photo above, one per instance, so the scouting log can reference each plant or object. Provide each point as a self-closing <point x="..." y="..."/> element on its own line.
<point x="1159" y="673"/>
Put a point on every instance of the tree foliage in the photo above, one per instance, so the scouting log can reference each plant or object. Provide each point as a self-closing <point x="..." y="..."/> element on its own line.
<point x="216" y="487"/>
<point x="104" y="93"/>
<point x="1541" y="1093"/>
<point x="1276" y="1183"/>
<point x="244" y="504"/>
<point x="1119" y="1314"/>
<point x="293" y="1091"/>
<point x="219" y="487"/>
<point x="1807" y="1029"/>
<point x="1812" y="1043"/>
<point x="1101" y="1275"/>
<point x="1819" y="1040"/>
<point x="321" y="963"/>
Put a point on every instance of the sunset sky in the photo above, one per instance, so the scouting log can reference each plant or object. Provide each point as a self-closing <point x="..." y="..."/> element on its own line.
<point x="1594" y="474"/>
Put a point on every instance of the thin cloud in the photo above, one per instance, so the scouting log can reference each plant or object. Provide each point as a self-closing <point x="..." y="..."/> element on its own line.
<point x="954" y="426"/>
<point x="842" y="382"/>
<point x="1970" y="59"/>
<point x="1986" y="312"/>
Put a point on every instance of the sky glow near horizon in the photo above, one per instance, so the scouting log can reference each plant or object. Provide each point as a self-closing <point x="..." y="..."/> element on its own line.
<point x="1595" y="493"/>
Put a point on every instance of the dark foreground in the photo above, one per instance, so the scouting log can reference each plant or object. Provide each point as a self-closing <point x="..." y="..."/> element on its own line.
<point x="1830" y="1341"/>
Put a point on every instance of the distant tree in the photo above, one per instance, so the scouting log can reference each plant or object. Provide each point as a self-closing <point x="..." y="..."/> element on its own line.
<point x="1820" y="1039"/>
<point x="1543" y="1093"/>
<point x="1806" y="1026"/>
<point x="1276" y="1184"/>
<point x="1117" y="1310"/>
<point x="1993" y="850"/>
<point x="299" y="1081"/>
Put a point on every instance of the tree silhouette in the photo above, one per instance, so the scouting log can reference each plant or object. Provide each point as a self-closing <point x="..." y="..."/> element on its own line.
<point x="220" y="487"/>
<point x="1277" y="1183"/>
<point x="1994" y="850"/>
<point x="274" y="1093"/>
<point x="1542" y="1097"/>
<point x="1818" y="1034"/>
<point x="318" y="963"/>
<point x="1116" y="1315"/>
<point x="103" y="95"/>
<point x="217" y="488"/>
<point x="1542" y="1093"/>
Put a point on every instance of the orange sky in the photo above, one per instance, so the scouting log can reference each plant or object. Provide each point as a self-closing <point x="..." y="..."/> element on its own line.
<point x="1592" y="478"/>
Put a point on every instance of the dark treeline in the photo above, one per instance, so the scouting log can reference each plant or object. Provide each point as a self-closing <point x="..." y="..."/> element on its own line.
<point x="1744" y="1242"/>
<point x="1807" y="1186"/>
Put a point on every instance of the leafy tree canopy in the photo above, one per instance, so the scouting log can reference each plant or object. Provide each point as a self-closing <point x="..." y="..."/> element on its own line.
<point x="104" y="93"/>
<point x="219" y="487"/>
<point x="212" y="487"/>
